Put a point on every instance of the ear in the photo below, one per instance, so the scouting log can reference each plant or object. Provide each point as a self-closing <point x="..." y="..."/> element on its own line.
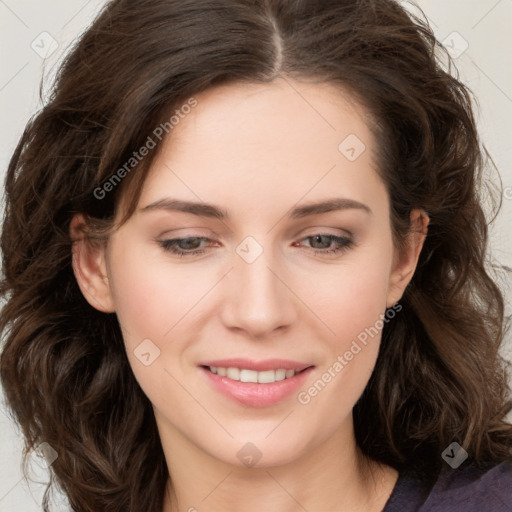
<point x="406" y="259"/>
<point x="89" y="266"/>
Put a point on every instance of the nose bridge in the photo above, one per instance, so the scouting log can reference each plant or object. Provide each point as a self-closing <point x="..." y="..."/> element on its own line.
<point x="259" y="302"/>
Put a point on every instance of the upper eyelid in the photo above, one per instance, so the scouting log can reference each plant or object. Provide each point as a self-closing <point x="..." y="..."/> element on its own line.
<point x="345" y="234"/>
<point x="168" y="235"/>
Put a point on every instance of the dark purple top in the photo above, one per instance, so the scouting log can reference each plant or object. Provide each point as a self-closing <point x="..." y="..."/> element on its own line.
<point x="465" y="489"/>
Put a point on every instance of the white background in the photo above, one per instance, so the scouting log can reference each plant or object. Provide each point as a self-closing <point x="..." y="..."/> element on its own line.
<point x="485" y="65"/>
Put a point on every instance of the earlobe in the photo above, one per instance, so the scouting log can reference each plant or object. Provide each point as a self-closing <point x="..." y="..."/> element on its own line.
<point x="407" y="259"/>
<point x="89" y="267"/>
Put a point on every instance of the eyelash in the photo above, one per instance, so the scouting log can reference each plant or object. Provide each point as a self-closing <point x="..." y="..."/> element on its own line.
<point x="170" y="245"/>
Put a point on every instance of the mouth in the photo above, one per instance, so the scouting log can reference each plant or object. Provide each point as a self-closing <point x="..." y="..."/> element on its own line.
<point x="256" y="384"/>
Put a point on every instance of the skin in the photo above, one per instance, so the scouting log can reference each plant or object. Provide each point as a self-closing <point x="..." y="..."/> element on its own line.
<point x="257" y="151"/>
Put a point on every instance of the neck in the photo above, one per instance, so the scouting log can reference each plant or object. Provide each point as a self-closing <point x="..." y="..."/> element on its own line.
<point x="333" y="475"/>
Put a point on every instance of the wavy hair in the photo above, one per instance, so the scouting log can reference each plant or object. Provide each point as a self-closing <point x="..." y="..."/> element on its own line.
<point x="439" y="376"/>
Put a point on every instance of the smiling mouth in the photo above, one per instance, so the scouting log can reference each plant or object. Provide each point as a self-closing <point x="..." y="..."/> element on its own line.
<point x="260" y="377"/>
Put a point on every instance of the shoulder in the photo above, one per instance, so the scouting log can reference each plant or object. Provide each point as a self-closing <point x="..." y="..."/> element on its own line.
<point x="470" y="487"/>
<point x="466" y="489"/>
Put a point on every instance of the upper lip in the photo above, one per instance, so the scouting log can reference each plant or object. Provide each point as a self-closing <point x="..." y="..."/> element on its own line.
<point x="259" y="366"/>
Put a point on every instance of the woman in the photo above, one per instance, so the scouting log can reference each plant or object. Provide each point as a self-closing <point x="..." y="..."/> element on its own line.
<point x="244" y="259"/>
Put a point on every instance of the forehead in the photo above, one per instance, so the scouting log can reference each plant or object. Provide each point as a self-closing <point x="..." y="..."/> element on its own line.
<point x="251" y="113"/>
<point x="258" y="143"/>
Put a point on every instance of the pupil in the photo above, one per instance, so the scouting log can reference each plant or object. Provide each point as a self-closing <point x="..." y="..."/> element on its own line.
<point x="189" y="243"/>
<point x="319" y="239"/>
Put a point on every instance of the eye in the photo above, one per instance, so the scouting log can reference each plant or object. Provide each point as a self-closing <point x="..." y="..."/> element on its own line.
<point x="321" y="243"/>
<point x="184" y="246"/>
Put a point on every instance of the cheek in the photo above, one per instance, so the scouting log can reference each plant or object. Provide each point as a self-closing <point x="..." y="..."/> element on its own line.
<point x="352" y="303"/>
<point x="352" y="297"/>
<point x="150" y="296"/>
<point x="155" y="308"/>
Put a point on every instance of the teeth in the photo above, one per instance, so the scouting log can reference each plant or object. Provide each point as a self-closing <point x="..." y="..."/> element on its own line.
<point x="281" y="374"/>
<point x="266" y="377"/>
<point x="244" y="375"/>
<point x="233" y="373"/>
<point x="248" y="376"/>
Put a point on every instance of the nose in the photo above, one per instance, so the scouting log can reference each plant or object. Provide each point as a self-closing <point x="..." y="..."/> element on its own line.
<point x="258" y="299"/>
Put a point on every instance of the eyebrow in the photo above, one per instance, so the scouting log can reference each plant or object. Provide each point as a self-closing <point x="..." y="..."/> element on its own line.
<point x="202" y="209"/>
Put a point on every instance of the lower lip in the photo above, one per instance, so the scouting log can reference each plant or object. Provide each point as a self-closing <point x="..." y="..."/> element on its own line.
<point x="253" y="394"/>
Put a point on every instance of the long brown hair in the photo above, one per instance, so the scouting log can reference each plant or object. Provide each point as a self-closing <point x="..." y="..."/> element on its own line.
<point x="438" y="378"/>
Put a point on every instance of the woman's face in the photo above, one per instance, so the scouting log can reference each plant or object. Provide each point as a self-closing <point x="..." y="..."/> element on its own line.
<point x="269" y="282"/>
